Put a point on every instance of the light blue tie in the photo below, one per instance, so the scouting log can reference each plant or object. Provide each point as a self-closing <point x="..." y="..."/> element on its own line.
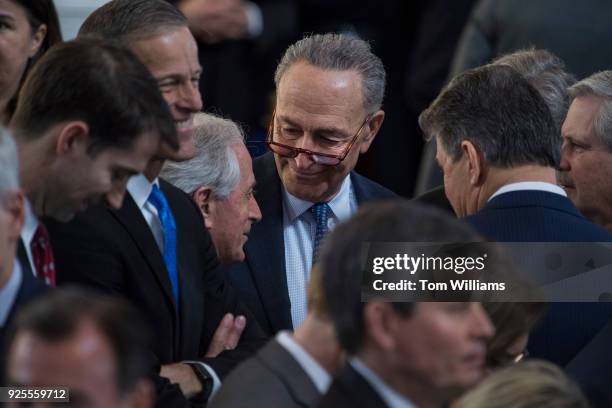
<point x="166" y="218"/>
<point x="321" y="213"/>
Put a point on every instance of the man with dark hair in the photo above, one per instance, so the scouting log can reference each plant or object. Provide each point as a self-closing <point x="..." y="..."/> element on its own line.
<point x="329" y="96"/>
<point x="74" y="153"/>
<point x="153" y="250"/>
<point x="401" y="354"/>
<point x="94" y="346"/>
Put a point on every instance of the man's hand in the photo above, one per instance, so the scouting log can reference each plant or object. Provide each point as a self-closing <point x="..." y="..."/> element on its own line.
<point x="183" y="375"/>
<point x="227" y="335"/>
<point x="213" y="21"/>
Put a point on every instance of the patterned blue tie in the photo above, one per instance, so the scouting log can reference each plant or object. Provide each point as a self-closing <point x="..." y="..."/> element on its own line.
<point x="166" y="218"/>
<point x="321" y="213"/>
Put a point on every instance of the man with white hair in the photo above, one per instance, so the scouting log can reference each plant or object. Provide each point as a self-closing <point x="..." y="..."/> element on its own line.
<point x="586" y="154"/>
<point x="221" y="182"/>
<point x="16" y="288"/>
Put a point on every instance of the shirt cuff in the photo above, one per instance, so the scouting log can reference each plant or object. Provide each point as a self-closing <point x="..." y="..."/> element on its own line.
<point x="215" y="377"/>
<point x="254" y="19"/>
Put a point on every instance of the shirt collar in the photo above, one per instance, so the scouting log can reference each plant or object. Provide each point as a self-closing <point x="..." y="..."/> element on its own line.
<point x="9" y="292"/>
<point x="313" y="369"/>
<point x="140" y="189"/>
<point x="30" y="224"/>
<point x="529" y="185"/>
<point x="340" y="204"/>
<point x="392" y="398"/>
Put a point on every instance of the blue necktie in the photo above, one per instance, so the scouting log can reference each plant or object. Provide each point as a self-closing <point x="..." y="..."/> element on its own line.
<point x="321" y="213"/>
<point x="166" y="218"/>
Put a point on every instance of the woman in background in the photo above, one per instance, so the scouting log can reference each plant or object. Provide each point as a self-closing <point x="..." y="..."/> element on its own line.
<point x="28" y="28"/>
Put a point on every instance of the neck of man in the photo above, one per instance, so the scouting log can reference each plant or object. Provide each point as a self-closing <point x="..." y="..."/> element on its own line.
<point x="498" y="177"/>
<point x="317" y="337"/>
<point x="416" y="391"/>
<point x="34" y="174"/>
<point x="154" y="167"/>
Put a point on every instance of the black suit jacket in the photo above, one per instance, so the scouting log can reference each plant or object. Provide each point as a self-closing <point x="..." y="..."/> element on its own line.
<point x="351" y="390"/>
<point x="261" y="279"/>
<point x="272" y="378"/>
<point x="115" y="251"/>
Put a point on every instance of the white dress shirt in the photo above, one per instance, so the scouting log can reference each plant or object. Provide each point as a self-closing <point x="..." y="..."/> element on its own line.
<point x="529" y="185"/>
<point x="311" y="367"/>
<point x="299" y="230"/>
<point x="140" y="189"/>
<point x="30" y="226"/>
<point x="8" y="293"/>
<point x="392" y="398"/>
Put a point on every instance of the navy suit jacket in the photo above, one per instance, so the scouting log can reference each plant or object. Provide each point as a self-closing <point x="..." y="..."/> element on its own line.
<point x="350" y="390"/>
<point x="539" y="216"/>
<point x="261" y="279"/>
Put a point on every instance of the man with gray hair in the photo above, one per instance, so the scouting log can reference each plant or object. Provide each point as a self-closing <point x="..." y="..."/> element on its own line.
<point x="586" y="154"/>
<point x="16" y="287"/>
<point x="329" y="92"/>
<point x="221" y="182"/>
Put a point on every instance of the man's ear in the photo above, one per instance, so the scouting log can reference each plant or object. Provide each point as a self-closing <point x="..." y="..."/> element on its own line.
<point x="372" y="128"/>
<point x="477" y="167"/>
<point x="73" y="138"/>
<point x="379" y="321"/>
<point x="202" y="198"/>
<point x="14" y="204"/>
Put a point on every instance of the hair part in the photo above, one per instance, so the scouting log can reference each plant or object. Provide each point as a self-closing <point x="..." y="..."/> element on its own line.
<point x="215" y="163"/>
<point x="340" y="52"/>
<point x="102" y="84"/>
<point x="598" y="85"/>
<point x="125" y="21"/>
<point x="497" y="110"/>
<point x="58" y="316"/>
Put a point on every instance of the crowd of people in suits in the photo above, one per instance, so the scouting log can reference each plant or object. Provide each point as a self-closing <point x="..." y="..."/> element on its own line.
<point x="147" y="260"/>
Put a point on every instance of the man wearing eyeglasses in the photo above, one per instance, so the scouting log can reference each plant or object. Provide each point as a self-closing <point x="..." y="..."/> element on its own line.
<point x="328" y="111"/>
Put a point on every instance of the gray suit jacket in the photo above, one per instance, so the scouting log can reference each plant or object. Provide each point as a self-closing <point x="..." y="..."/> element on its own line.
<point x="272" y="378"/>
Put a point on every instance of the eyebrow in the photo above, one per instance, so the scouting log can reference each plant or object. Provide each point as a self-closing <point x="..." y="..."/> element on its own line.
<point x="329" y="129"/>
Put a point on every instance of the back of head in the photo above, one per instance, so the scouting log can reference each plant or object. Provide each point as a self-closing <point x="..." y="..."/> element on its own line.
<point x="130" y="20"/>
<point x="341" y="264"/>
<point x="496" y="109"/>
<point x="529" y="384"/>
<point x="9" y="176"/>
<point x="598" y="85"/>
<point x="340" y="52"/>
<point x="546" y="73"/>
<point x="102" y="84"/>
<point x="215" y="164"/>
<point x="58" y="316"/>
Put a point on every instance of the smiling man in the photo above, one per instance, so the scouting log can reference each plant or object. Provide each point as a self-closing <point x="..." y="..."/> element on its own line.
<point x="153" y="250"/>
<point x="586" y="154"/>
<point x="329" y="92"/>
<point x="75" y="153"/>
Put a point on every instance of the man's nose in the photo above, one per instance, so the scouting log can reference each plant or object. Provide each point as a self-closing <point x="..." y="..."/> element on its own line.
<point x="189" y="97"/>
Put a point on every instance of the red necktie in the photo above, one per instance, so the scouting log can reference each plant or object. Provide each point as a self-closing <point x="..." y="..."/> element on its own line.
<point x="42" y="255"/>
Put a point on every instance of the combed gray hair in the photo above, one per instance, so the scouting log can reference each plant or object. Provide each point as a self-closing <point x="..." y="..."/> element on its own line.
<point x="600" y="85"/>
<point x="215" y="164"/>
<point x="9" y="176"/>
<point x="340" y="52"/>
<point x="546" y="73"/>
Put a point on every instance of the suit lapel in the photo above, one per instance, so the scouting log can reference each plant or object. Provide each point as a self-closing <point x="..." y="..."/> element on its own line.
<point x="130" y="216"/>
<point x="266" y="249"/>
<point x="22" y="256"/>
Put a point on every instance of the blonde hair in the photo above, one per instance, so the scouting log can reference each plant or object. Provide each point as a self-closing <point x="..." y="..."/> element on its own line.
<point x="529" y="384"/>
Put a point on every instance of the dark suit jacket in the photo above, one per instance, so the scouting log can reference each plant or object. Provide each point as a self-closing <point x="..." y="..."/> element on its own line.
<point x="261" y="279"/>
<point x="351" y="390"/>
<point x="538" y="216"/>
<point x="31" y="288"/>
<point x="115" y="251"/>
<point x="272" y="378"/>
<point x="436" y="197"/>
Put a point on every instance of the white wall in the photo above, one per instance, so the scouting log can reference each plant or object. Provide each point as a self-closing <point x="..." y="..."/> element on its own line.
<point x="72" y="13"/>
